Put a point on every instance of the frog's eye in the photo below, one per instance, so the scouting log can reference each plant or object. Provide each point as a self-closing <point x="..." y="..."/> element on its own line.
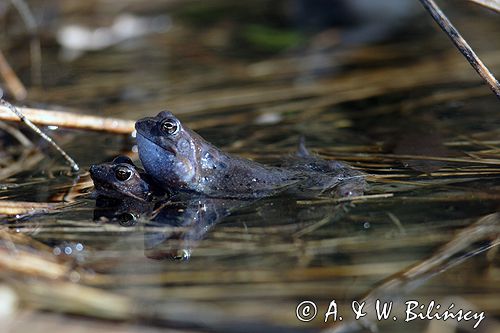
<point x="170" y="126"/>
<point x="123" y="173"/>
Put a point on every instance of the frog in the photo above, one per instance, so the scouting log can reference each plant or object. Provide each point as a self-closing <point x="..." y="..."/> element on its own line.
<point x="122" y="178"/>
<point x="179" y="158"/>
<point x="126" y="195"/>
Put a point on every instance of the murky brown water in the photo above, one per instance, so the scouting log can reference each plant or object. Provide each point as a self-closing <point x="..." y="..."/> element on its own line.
<point x="253" y="78"/>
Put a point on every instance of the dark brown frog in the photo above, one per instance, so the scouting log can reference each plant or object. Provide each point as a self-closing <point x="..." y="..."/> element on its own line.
<point x="121" y="178"/>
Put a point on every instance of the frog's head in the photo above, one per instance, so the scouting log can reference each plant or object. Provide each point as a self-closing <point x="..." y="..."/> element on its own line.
<point x="120" y="178"/>
<point x="168" y="150"/>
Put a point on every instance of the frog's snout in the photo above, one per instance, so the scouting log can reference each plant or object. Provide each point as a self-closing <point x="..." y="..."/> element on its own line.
<point x="97" y="172"/>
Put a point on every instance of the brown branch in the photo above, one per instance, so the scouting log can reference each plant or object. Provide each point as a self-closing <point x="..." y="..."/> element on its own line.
<point x="462" y="45"/>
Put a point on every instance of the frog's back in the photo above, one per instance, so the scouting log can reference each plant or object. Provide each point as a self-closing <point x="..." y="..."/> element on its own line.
<point x="242" y="178"/>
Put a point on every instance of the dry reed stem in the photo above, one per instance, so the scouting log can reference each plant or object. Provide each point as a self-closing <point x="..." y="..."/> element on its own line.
<point x="31" y="264"/>
<point x="462" y="45"/>
<point x="23" y="207"/>
<point x="71" y="120"/>
<point x="486" y="228"/>
<point x="12" y="82"/>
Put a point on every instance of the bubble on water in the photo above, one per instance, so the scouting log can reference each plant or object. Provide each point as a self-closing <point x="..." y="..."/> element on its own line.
<point x="367" y="225"/>
<point x="79" y="247"/>
<point x="74" y="276"/>
<point x="68" y="250"/>
<point x="56" y="251"/>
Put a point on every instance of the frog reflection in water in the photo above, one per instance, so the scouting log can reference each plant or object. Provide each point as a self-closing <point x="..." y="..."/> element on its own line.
<point x="125" y="200"/>
<point x="178" y="158"/>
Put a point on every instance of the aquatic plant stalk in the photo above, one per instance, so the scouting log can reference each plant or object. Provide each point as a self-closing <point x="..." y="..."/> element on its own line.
<point x="462" y="45"/>
<point x="37" y="130"/>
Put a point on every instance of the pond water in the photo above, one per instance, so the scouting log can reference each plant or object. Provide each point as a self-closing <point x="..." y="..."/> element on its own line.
<point x="393" y="99"/>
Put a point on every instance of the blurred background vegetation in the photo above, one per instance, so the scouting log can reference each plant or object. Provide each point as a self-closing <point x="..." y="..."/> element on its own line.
<point x="372" y="83"/>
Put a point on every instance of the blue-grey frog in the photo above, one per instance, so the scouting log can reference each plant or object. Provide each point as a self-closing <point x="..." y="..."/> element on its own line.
<point x="179" y="159"/>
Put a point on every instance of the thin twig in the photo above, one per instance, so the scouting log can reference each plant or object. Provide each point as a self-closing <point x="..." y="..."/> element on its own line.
<point x="37" y="130"/>
<point x="462" y="45"/>
<point x="353" y="199"/>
